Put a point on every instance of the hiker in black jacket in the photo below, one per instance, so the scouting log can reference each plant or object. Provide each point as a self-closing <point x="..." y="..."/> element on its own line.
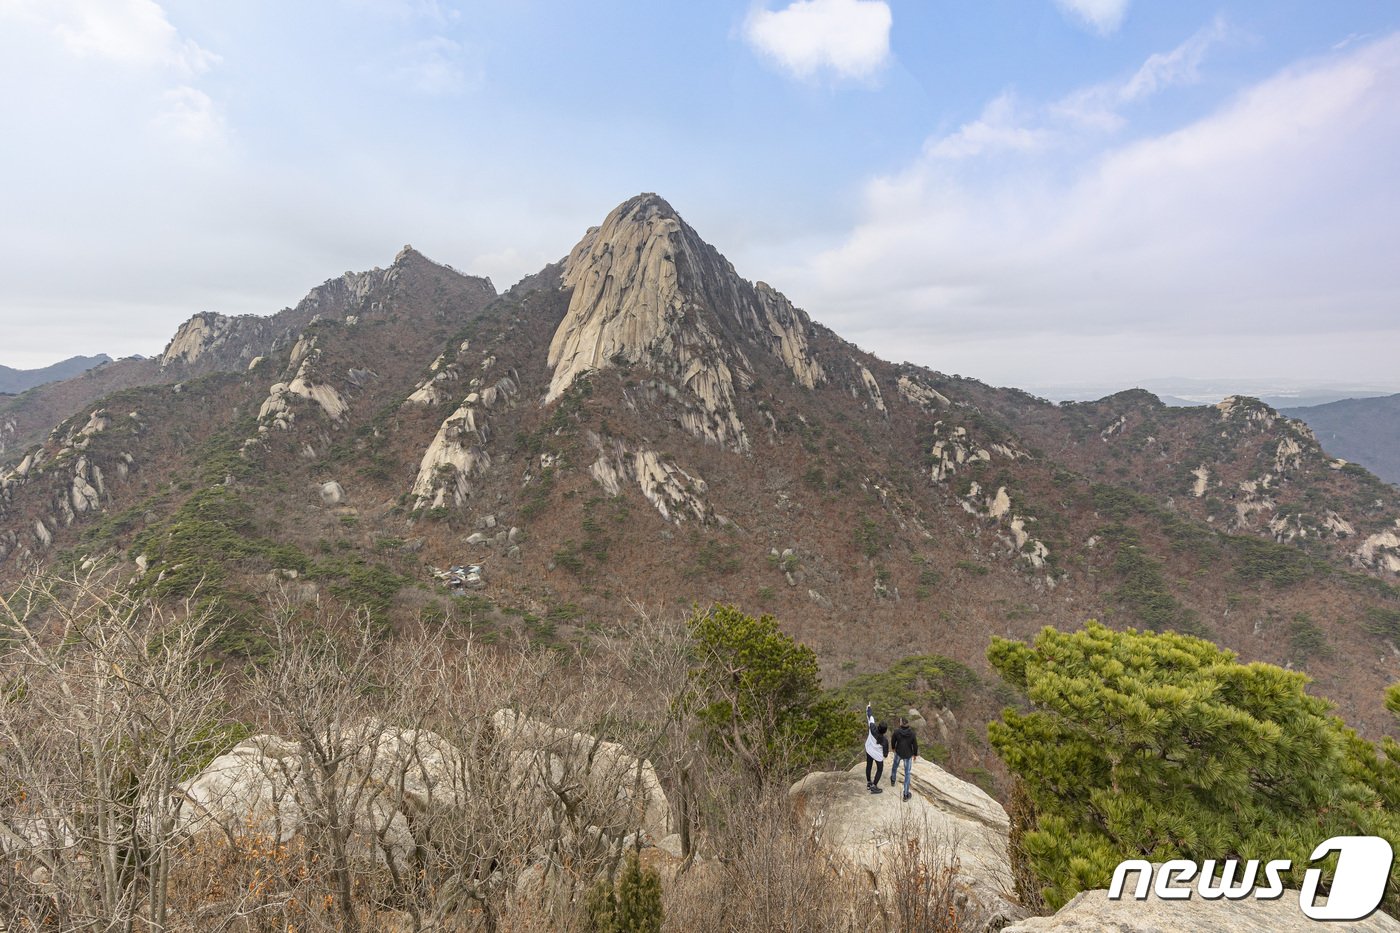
<point x="906" y="749"/>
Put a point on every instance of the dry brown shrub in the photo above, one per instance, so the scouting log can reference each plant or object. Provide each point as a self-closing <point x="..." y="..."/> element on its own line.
<point x="924" y="887"/>
<point x="766" y="872"/>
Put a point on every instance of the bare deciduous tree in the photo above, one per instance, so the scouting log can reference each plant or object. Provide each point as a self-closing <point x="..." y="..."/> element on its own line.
<point x="108" y="702"/>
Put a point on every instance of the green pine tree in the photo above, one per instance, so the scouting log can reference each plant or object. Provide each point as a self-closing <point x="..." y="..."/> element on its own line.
<point x="600" y="908"/>
<point x="638" y="898"/>
<point x="758" y="693"/>
<point x="634" y="907"/>
<point x="1159" y="746"/>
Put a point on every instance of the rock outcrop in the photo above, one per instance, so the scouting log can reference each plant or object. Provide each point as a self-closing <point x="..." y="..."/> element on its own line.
<point x="434" y="389"/>
<point x="210" y="342"/>
<point x="1381" y="550"/>
<point x="672" y="491"/>
<point x="605" y="769"/>
<point x="393" y="783"/>
<point x="648" y="291"/>
<point x="872" y="388"/>
<point x="944" y="813"/>
<point x="73" y="474"/>
<point x="250" y="787"/>
<point x="926" y="397"/>
<point x="1290" y="452"/>
<point x="303" y="382"/>
<point x="1092" y="911"/>
<point x="458" y="451"/>
<point x="9" y="430"/>
<point x="954" y="448"/>
<point x="207" y="332"/>
<point x="387" y="779"/>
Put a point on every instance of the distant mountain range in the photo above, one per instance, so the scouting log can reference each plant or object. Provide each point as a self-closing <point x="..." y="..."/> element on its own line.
<point x="1363" y="430"/>
<point x="13" y="381"/>
<point x="1359" y="422"/>
<point x="1280" y="393"/>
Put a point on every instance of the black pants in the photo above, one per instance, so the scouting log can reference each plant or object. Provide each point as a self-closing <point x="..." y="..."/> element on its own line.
<point x="879" y="769"/>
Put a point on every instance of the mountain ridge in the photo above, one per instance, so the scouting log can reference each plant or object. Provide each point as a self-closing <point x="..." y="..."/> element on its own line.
<point x="1366" y="430"/>
<point x="628" y="425"/>
<point x="14" y="381"/>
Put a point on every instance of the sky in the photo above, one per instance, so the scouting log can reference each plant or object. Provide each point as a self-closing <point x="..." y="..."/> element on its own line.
<point x="1038" y="193"/>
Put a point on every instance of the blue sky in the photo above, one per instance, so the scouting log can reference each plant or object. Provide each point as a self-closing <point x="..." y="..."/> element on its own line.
<point x="1035" y="192"/>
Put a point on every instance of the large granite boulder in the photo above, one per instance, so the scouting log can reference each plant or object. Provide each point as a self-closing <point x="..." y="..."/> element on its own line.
<point x="248" y="789"/>
<point x="394" y="781"/>
<point x="387" y="779"/>
<point x="625" y="786"/>
<point x="945" y="817"/>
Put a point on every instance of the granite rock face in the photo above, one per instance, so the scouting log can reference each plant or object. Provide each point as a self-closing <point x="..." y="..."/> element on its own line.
<point x="458" y="452"/>
<point x="394" y="782"/>
<point x="647" y="291"/>
<point x="946" y="816"/>
<point x="77" y="481"/>
<point x="264" y="787"/>
<point x="549" y="756"/>
<point x="672" y="491"/>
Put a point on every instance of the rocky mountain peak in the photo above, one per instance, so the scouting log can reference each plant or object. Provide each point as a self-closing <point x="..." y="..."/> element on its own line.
<point x="209" y="341"/>
<point x="648" y="291"/>
<point x="194" y="337"/>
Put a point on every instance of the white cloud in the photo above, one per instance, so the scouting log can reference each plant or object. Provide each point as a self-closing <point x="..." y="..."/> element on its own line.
<point x="437" y="12"/>
<point x="189" y="116"/>
<point x="848" y="38"/>
<point x="1000" y="127"/>
<point x="134" y="33"/>
<point x="1179" y="66"/>
<point x="1102" y="16"/>
<point x="1006" y="124"/>
<point x="125" y="62"/>
<point x="1271" y="217"/>
<point x="436" y="66"/>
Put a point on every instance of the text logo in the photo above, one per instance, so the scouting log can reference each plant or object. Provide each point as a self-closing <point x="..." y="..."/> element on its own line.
<point x="1358" y="885"/>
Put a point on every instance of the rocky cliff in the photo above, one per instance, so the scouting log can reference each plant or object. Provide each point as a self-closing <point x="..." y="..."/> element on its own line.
<point x="210" y="342"/>
<point x="647" y="291"/>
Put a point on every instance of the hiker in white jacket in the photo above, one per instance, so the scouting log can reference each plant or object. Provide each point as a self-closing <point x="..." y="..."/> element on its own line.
<point x="876" y="747"/>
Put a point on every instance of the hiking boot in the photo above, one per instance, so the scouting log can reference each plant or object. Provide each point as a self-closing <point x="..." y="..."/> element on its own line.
<point x="906" y="797"/>
<point x="876" y="789"/>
